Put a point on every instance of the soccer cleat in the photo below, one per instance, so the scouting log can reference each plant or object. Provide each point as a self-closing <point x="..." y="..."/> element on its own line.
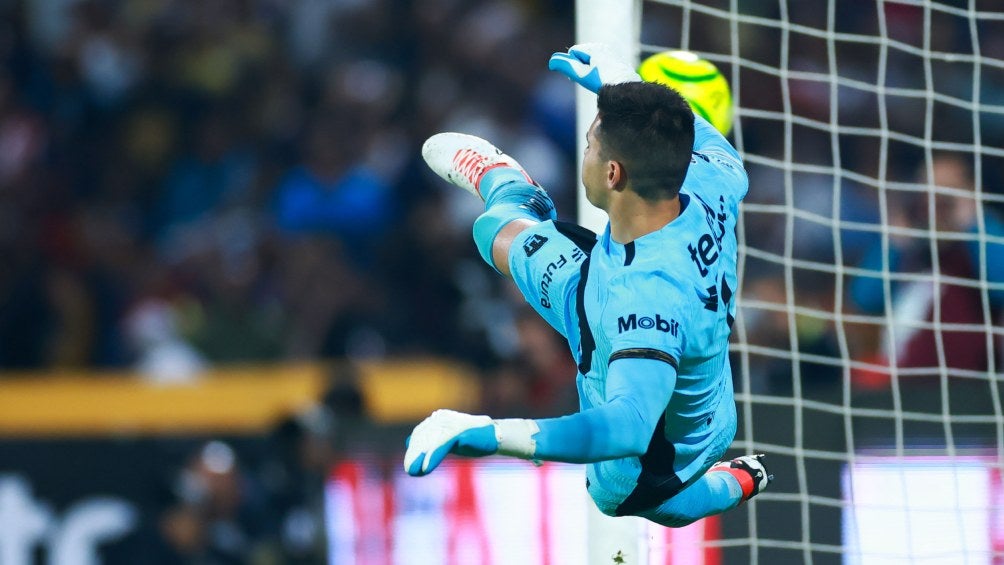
<point x="749" y="471"/>
<point x="464" y="159"/>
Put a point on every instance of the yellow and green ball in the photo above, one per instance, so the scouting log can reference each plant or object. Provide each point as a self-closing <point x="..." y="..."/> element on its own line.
<point x="696" y="79"/>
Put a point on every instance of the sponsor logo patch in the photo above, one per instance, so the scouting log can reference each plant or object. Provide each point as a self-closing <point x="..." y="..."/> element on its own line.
<point x="534" y="244"/>
<point x="634" y="322"/>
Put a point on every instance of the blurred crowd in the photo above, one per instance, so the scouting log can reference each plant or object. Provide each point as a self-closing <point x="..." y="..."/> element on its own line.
<point x="185" y="183"/>
<point x="193" y="182"/>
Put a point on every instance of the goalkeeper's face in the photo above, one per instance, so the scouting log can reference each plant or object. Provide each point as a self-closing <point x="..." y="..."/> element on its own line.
<point x="596" y="171"/>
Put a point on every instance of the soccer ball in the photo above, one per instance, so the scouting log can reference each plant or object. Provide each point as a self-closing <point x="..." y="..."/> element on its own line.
<point x="696" y="79"/>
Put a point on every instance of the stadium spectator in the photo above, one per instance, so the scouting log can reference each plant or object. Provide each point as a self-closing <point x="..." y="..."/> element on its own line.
<point x="200" y="183"/>
<point x="333" y="191"/>
<point x="949" y="291"/>
<point x="221" y="515"/>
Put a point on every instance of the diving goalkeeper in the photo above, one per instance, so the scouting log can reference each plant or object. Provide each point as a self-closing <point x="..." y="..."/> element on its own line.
<point x="647" y="306"/>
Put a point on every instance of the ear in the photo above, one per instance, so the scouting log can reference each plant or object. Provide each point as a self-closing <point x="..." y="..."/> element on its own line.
<point x="616" y="176"/>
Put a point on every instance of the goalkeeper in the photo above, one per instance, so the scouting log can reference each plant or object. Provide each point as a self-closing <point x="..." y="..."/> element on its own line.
<point x="646" y="307"/>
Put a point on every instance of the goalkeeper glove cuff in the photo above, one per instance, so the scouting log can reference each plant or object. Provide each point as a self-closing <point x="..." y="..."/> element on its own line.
<point x="515" y="437"/>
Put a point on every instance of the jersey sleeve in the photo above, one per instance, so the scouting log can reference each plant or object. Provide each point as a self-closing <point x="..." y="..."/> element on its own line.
<point x="638" y="391"/>
<point x="716" y="166"/>
<point x="707" y="139"/>
<point x="646" y="317"/>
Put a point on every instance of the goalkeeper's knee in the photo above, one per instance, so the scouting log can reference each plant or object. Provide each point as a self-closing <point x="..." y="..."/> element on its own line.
<point x="507" y="201"/>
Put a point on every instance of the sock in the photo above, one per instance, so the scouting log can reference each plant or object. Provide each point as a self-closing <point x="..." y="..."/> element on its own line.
<point x="741" y="485"/>
<point x="508" y="196"/>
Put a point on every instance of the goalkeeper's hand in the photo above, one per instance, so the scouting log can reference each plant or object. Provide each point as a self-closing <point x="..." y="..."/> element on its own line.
<point x="592" y="65"/>
<point x="446" y="431"/>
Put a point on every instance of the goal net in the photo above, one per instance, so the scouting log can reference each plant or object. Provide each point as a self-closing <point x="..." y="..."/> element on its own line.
<point x="872" y="268"/>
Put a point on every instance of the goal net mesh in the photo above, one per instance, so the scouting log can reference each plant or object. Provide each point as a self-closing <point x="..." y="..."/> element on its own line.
<point x="872" y="271"/>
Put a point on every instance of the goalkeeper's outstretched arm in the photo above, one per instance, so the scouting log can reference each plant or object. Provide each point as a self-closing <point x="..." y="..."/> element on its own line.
<point x="638" y="391"/>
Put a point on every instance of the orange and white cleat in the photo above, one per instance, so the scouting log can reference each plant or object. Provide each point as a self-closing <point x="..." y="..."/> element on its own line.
<point x="464" y="159"/>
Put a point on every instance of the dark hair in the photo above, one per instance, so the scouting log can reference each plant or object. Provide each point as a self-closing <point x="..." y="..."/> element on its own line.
<point x="649" y="129"/>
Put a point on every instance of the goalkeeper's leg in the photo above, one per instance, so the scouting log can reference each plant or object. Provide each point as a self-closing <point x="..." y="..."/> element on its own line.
<point x="513" y="202"/>
<point x="725" y="485"/>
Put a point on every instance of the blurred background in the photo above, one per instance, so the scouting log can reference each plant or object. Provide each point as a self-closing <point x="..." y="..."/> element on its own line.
<point x="224" y="268"/>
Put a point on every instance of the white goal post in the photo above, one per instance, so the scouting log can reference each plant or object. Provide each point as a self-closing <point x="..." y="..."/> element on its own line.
<point x="615" y="24"/>
<point x="871" y="271"/>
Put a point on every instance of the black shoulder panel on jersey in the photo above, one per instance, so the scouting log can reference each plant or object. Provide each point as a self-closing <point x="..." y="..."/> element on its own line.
<point x="644" y="353"/>
<point x="582" y="238"/>
<point x="585" y="240"/>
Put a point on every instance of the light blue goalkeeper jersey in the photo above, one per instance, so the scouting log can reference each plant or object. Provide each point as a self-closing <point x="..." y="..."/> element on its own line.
<point x="668" y="295"/>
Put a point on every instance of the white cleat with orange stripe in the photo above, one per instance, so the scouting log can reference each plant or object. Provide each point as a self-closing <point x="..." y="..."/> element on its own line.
<point x="464" y="159"/>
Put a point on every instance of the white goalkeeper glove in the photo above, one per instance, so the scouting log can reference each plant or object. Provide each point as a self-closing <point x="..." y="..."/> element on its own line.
<point x="592" y="65"/>
<point x="447" y="431"/>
